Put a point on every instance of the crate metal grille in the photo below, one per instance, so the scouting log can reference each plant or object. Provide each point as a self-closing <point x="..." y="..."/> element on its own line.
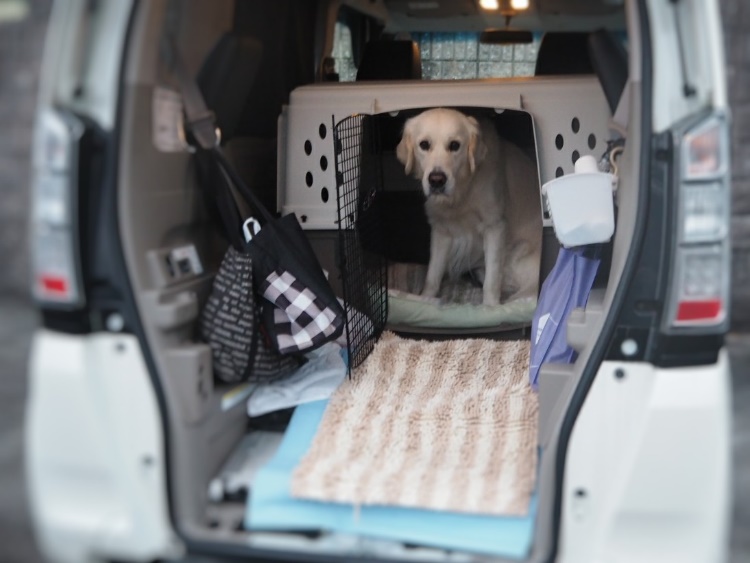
<point x="363" y="271"/>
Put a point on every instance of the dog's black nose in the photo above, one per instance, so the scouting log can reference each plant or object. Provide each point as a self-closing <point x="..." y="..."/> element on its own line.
<point x="437" y="181"/>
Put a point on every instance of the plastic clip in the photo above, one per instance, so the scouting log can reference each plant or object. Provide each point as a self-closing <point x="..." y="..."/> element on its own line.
<point x="250" y="228"/>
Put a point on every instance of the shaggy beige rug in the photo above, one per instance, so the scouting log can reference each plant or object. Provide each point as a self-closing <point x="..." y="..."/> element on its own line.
<point x="449" y="425"/>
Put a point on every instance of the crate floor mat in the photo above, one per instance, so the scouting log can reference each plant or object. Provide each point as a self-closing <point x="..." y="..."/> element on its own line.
<point x="272" y="508"/>
<point x="459" y="304"/>
<point x="441" y="425"/>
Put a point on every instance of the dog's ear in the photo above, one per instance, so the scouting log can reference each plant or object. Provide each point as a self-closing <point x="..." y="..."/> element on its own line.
<point x="405" y="149"/>
<point x="477" y="149"/>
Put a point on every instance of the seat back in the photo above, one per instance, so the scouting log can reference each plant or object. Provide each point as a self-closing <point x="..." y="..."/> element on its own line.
<point x="226" y="78"/>
<point x="390" y="60"/>
<point x="563" y="53"/>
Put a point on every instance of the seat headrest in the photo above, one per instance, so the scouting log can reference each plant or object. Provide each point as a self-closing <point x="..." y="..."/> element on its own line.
<point x="226" y="78"/>
<point x="563" y="53"/>
<point x="390" y="60"/>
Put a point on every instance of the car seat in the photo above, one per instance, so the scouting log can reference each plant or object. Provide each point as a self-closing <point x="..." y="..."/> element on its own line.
<point x="563" y="53"/>
<point x="390" y="60"/>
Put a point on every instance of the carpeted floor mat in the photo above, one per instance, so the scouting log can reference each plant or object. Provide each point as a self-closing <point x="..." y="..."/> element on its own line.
<point x="449" y="425"/>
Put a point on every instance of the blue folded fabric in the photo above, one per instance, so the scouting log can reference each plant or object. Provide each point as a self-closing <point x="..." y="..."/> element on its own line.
<point x="271" y="507"/>
<point x="567" y="286"/>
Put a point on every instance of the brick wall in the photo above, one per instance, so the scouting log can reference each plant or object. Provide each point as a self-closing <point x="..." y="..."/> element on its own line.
<point x="736" y="17"/>
<point x="21" y="46"/>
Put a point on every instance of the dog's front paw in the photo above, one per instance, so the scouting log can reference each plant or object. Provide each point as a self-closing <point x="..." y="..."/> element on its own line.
<point x="430" y="290"/>
<point x="490" y="299"/>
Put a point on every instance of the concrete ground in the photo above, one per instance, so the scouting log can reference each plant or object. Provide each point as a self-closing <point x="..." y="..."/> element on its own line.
<point x="17" y="321"/>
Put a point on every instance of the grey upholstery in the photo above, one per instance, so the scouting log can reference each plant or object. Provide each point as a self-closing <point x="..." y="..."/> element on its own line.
<point x="610" y="61"/>
<point x="226" y="78"/>
<point x="390" y="60"/>
<point x="564" y="53"/>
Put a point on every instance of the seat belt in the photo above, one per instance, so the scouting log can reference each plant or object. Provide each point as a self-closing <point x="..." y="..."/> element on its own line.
<point x="200" y="122"/>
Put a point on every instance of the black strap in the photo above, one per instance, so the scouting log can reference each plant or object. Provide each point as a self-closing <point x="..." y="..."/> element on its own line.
<point x="201" y="123"/>
<point x="230" y="211"/>
<point x="200" y="120"/>
<point x="242" y="188"/>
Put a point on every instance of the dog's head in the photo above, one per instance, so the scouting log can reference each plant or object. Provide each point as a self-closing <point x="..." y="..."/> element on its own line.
<point x="442" y="147"/>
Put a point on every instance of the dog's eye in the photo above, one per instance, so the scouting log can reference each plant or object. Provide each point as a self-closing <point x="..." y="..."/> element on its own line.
<point x="424" y="145"/>
<point x="454" y="146"/>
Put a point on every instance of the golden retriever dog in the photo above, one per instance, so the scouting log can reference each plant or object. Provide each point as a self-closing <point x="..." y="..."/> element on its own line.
<point x="482" y="202"/>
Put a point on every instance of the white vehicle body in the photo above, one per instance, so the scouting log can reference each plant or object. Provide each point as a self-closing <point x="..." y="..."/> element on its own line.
<point x="646" y="467"/>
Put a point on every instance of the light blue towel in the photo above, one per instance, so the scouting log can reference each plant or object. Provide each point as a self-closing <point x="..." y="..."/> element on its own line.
<point x="272" y="508"/>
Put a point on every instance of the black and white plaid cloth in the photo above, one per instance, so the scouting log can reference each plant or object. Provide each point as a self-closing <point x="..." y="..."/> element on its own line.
<point x="301" y="320"/>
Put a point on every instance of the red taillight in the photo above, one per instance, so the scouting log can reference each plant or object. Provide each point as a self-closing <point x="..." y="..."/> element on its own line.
<point x="700" y="278"/>
<point x="54" y="235"/>
<point x="50" y="284"/>
<point x="706" y="310"/>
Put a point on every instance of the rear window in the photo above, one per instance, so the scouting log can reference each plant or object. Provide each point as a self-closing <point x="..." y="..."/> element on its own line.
<point x="343" y="53"/>
<point x="449" y="56"/>
<point x="454" y="56"/>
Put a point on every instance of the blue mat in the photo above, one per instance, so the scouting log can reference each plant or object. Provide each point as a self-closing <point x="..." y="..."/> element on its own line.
<point x="272" y="508"/>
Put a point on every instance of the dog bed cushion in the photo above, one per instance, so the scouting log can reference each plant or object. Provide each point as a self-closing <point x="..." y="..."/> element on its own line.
<point x="458" y="305"/>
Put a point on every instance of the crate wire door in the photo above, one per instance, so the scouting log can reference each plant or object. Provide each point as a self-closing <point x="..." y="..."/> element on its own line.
<point x="363" y="268"/>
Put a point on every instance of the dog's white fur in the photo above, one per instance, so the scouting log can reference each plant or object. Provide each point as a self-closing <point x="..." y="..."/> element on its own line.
<point x="488" y="215"/>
